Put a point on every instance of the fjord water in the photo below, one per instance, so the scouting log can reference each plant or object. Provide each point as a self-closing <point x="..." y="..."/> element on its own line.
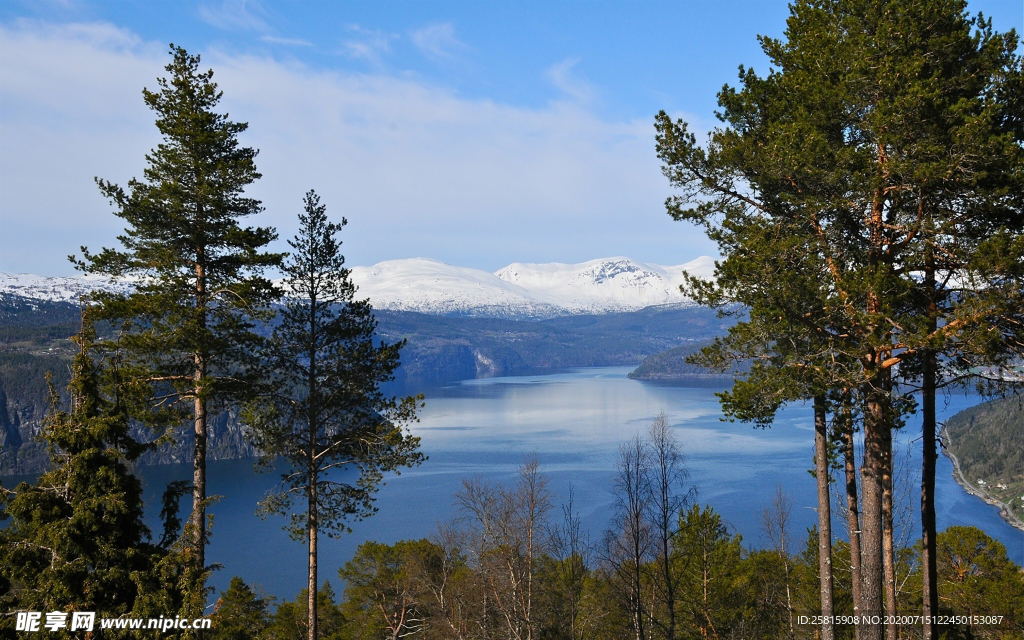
<point x="574" y="422"/>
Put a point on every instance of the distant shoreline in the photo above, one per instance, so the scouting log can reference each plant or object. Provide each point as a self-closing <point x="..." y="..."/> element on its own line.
<point x="1004" y="511"/>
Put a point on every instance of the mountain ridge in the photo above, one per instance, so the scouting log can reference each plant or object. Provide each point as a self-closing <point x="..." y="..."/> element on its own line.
<point x="424" y="285"/>
<point x="438" y="351"/>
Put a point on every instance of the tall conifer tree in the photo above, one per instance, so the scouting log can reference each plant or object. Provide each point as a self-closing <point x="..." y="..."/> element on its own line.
<point x="328" y="418"/>
<point x="886" y="142"/>
<point x="195" y="268"/>
<point x="787" y="337"/>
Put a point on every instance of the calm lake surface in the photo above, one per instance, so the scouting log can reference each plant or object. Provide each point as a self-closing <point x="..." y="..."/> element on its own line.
<point x="574" y="422"/>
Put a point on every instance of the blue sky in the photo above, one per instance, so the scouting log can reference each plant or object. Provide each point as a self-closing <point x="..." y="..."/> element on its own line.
<point x="477" y="133"/>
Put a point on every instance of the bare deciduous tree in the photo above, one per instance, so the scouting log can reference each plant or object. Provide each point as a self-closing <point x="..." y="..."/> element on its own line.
<point x="505" y="526"/>
<point x="775" y="524"/>
<point x="628" y="542"/>
<point x="572" y="549"/>
<point x="667" y="477"/>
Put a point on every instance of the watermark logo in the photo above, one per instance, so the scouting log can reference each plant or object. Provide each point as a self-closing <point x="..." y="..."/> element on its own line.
<point x="55" y="621"/>
<point x="86" y="621"/>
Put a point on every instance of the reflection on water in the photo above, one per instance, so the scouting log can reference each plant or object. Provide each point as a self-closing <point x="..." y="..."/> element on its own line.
<point x="574" y="423"/>
<point x="587" y="412"/>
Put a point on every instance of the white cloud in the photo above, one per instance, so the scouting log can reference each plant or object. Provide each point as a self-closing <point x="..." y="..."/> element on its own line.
<point x="562" y="77"/>
<point x="417" y="169"/>
<point x="291" y="42"/>
<point x="368" y="44"/>
<point x="437" y="41"/>
<point x="243" y="15"/>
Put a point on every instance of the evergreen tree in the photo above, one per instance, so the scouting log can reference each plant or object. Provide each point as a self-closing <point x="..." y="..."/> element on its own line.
<point x="888" y="134"/>
<point x="788" y="339"/>
<point x="77" y="540"/>
<point x="291" y="619"/>
<point x="195" y="269"/>
<point x="328" y="413"/>
<point x="387" y="589"/>
<point x="708" y="560"/>
<point x="978" y="579"/>
<point x="239" y="614"/>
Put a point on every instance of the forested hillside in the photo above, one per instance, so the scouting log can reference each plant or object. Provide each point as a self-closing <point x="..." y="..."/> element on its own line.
<point x="671" y="364"/>
<point x="441" y="349"/>
<point x="34" y="341"/>
<point x="24" y="402"/>
<point x="28" y="324"/>
<point x="986" y="441"/>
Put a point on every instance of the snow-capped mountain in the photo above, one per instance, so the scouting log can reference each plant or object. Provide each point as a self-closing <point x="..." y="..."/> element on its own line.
<point x="429" y="286"/>
<point x="525" y="290"/>
<point x="610" y="284"/>
<point x="54" y="288"/>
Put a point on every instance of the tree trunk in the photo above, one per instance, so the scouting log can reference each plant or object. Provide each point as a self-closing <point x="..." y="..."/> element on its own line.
<point x="852" y="506"/>
<point x="199" y="473"/>
<point x="929" y="578"/>
<point x="531" y="524"/>
<point x="199" y="450"/>
<point x="311" y="524"/>
<point x="638" y="607"/>
<point x="670" y="595"/>
<point x="311" y="471"/>
<point x="888" y="540"/>
<point x="875" y="424"/>
<point x="824" y="517"/>
<point x="636" y="496"/>
<point x="665" y="463"/>
<point x="872" y="469"/>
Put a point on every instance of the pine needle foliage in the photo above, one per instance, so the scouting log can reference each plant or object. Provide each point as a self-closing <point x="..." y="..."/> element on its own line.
<point x="240" y="613"/>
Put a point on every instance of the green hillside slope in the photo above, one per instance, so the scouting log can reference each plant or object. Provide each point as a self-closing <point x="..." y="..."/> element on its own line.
<point x="987" y="442"/>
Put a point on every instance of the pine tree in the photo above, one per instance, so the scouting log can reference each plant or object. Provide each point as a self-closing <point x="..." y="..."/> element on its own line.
<point x="979" y="579"/>
<point x="239" y="614"/>
<point x="328" y="413"/>
<point x="787" y="338"/>
<point x="386" y="589"/>
<point x="884" y="144"/>
<point x="77" y="540"/>
<point x="195" y="269"/>
<point x="291" y="622"/>
<point x="708" y="559"/>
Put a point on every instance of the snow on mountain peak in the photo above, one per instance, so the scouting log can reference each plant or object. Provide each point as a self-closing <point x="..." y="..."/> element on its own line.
<point x="430" y="286"/>
<point x="598" y="286"/>
<point x="56" y="288"/>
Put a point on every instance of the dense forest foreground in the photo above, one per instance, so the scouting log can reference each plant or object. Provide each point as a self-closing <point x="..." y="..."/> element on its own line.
<point x="512" y="564"/>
